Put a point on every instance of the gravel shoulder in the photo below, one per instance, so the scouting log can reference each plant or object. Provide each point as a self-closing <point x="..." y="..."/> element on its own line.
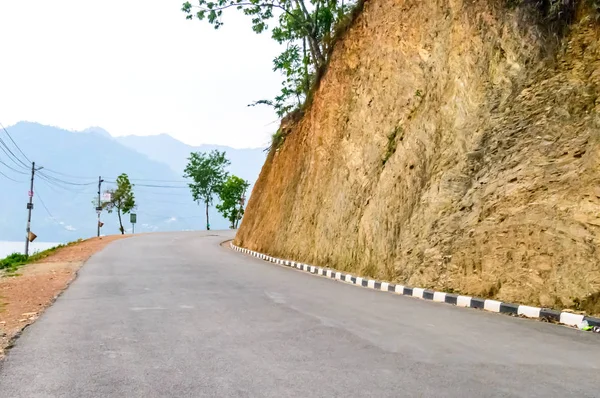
<point x="24" y="296"/>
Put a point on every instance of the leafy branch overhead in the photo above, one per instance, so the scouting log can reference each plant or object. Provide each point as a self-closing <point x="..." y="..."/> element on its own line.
<point x="305" y="27"/>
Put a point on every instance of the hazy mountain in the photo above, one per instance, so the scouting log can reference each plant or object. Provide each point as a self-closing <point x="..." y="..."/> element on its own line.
<point x="245" y="163"/>
<point x="68" y="182"/>
<point x="97" y="130"/>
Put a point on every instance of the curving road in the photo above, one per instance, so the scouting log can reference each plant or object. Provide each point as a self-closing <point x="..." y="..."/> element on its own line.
<point x="178" y="315"/>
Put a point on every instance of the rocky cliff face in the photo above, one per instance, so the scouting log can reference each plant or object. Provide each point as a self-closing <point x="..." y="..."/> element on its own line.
<point x="453" y="145"/>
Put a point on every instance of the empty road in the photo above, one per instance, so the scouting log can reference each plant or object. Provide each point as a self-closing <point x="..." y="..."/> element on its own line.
<point x="178" y="315"/>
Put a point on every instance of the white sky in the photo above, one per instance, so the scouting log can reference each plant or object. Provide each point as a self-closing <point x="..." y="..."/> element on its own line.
<point x="136" y="67"/>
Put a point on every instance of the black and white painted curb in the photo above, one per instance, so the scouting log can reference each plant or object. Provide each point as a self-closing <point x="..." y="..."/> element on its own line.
<point x="566" y="318"/>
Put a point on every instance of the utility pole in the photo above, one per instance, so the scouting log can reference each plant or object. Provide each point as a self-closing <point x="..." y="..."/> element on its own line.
<point x="30" y="207"/>
<point x="99" y="207"/>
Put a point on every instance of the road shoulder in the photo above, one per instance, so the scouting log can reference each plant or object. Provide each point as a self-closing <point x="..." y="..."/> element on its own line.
<point x="25" y="294"/>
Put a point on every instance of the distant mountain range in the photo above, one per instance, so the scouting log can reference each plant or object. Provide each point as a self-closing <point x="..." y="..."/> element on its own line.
<point x="245" y="163"/>
<point x="72" y="163"/>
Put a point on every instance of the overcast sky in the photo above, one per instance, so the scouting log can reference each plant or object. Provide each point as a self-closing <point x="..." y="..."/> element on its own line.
<point x="136" y="67"/>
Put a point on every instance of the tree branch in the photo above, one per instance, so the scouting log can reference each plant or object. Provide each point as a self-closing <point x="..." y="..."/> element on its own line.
<point x="248" y="5"/>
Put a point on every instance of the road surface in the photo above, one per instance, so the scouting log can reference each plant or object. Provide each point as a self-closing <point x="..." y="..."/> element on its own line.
<point x="177" y="315"/>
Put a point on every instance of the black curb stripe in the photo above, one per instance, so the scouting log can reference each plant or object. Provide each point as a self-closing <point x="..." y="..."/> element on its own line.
<point x="477" y="303"/>
<point x="550" y="315"/>
<point x="508" y="308"/>
<point x="451" y="298"/>
<point x="592" y="321"/>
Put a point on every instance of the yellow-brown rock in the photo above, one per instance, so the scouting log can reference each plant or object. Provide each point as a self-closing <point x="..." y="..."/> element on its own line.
<point x="452" y="145"/>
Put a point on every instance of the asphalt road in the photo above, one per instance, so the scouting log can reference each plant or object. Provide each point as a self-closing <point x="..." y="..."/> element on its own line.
<point x="177" y="315"/>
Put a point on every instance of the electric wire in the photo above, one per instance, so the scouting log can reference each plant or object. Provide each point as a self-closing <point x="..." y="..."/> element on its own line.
<point x="10" y="155"/>
<point x="153" y="186"/>
<point x="59" y="180"/>
<point x="114" y="178"/>
<point x="12" y="168"/>
<point x="68" y="188"/>
<point x="50" y="214"/>
<point x="7" y="177"/>
<point x="14" y="143"/>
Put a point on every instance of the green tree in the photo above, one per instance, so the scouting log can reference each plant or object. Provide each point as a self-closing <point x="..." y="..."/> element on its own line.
<point x="207" y="171"/>
<point x="121" y="199"/>
<point x="232" y="195"/>
<point x="306" y="27"/>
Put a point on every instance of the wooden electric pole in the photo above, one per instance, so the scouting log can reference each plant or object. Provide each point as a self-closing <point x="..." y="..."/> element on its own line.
<point x="29" y="208"/>
<point x="99" y="207"/>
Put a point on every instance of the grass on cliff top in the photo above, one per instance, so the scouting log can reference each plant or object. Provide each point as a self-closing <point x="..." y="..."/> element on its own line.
<point x="12" y="262"/>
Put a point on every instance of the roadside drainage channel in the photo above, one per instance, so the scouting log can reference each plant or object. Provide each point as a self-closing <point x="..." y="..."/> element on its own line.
<point x="579" y="321"/>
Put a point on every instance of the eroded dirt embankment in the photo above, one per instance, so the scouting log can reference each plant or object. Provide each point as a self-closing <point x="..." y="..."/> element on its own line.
<point x="451" y="145"/>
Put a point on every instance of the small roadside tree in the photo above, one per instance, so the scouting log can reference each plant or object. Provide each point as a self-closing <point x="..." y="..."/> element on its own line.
<point x="232" y="195"/>
<point x="207" y="171"/>
<point x="121" y="199"/>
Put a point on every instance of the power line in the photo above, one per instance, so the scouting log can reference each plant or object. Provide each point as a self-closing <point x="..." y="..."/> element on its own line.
<point x="179" y="218"/>
<point x="44" y="204"/>
<point x="14" y="143"/>
<point x="7" y="177"/>
<point x="50" y="214"/>
<point x="11" y="155"/>
<point x="114" y="178"/>
<point x="54" y="184"/>
<point x="12" y="168"/>
<point x="171" y="202"/>
<point x="67" y="175"/>
<point x="165" y="193"/>
<point x="154" y="186"/>
<point x="152" y="180"/>
<point x="66" y="182"/>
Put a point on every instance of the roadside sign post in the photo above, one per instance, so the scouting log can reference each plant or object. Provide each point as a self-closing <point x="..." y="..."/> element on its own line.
<point x="133" y="220"/>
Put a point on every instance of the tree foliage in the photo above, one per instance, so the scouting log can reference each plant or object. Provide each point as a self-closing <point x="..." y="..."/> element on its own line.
<point x="233" y="195"/>
<point x="305" y="27"/>
<point x="207" y="172"/>
<point x="122" y="199"/>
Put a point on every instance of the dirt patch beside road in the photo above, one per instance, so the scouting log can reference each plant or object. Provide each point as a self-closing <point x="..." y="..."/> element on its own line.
<point x="26" y="295"/>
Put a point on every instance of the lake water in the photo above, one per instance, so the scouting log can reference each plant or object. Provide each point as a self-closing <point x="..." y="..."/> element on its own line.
<point x="7" y="248"/>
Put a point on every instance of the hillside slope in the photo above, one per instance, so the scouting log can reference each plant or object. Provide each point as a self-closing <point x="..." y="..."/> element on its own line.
<point x="451" y="145"/>
<point x="245" y="162"/>
<point x="70" y="213"/>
